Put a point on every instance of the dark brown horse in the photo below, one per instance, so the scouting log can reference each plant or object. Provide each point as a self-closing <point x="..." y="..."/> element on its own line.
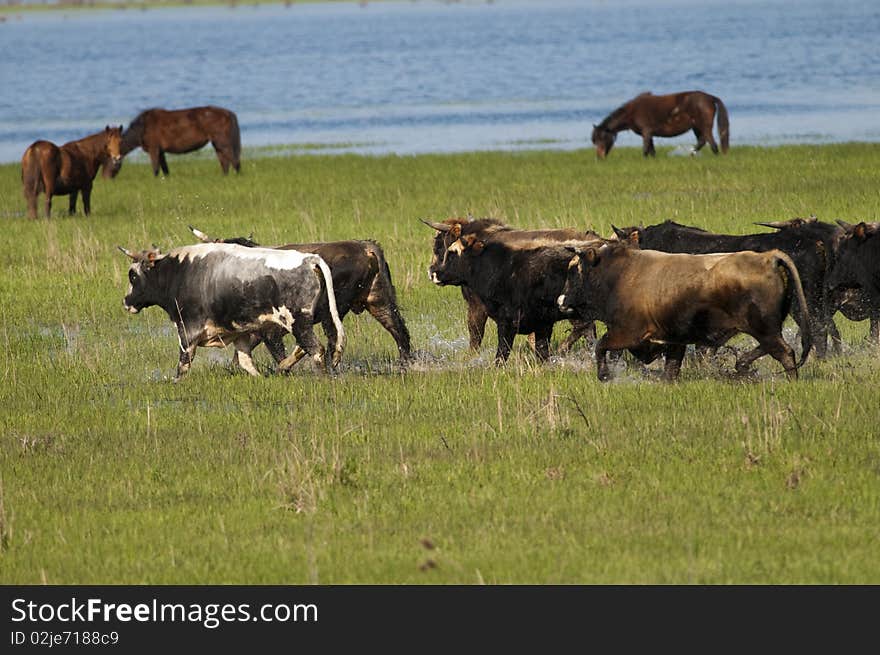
<point x="670" y="115"/>
<point x="158" y="131"/>
<point x="46" y="168"/>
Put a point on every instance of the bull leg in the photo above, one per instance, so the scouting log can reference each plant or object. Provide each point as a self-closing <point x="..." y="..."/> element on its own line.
<point x="836" y="340"/>
<point x="274" y="341"/>
<point x="586" y="329"/>
<point x="506" y="334"/>
<point x="332" y="340"/>
<point x="782" y="353"/>
<point x="87" y="199"/>
<point x="745" y="362"/>
<point x="542" y="343"/>
<point x="71" y="209"/>
<point x="187" y="354"/>
<point x="476" y="318"/>
<point x="672" y="365"/>
<point x="389" y="318"/>
<point x="162" y="163"/>
<point x="874" y="331"/>
<point x="243" y="346"/>
<point x="304" y="332"/>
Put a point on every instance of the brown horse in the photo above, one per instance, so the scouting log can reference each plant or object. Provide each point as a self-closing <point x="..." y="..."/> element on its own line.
<point x="158" y="131"/>
<point x="46" y="168"/>
<point x="669" y="115"/>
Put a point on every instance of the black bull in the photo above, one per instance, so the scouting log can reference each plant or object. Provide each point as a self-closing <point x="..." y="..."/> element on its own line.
<point x="517" y="279"/>
<point x="452" y="229"/>
<point x="854" y="282"/>
<point x="657" y="303"/>
<point x="811" y="250"/>
<point x="361" y="280"/>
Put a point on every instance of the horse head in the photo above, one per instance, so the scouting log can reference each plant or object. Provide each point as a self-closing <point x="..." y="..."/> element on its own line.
<point x="112" y="151"/>
<point x="603" y="139"/>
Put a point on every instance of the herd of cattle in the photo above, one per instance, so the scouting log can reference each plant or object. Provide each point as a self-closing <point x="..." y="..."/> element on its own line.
<point x="657" y="289"/>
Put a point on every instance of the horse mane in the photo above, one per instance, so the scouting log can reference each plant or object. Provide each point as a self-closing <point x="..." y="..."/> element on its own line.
<point x="614" y="115"/>
<point x="133" y="135"/>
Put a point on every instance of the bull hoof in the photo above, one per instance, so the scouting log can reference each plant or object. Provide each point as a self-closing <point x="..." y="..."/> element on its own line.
<point x="337" y="357"/>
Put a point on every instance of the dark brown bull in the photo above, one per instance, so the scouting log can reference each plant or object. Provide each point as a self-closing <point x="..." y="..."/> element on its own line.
<point x="657" y="303"/>
<point x="668" y="115"/>
<point x="451" y="229"/>
<point x="810" y="247"/>
<point x="159" y="131"/>
<point x="362" y="281"/>
<point x="69" y="169"/>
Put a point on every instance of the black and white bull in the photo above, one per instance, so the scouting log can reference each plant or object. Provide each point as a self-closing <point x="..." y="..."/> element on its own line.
<point x="222" y="294"/>
<point x="361" y="281"/>
<point x="854" y="281"/>
<point x="483" y="229"/>
<point x="657" y="303"/>
<point x="811" y="250"/>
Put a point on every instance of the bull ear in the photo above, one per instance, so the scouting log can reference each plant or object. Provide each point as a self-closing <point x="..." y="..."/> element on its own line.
<point x="860" y="231"/>
<point x="455" y="231"/>
<point x="592" y="256"/>
<point x="440" y="227"/>
<point x="633" y="238"/>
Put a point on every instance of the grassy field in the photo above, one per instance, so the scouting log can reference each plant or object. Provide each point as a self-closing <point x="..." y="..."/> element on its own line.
<point x="453" y="471"/>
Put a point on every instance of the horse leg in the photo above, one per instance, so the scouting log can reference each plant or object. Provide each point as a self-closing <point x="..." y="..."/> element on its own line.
<point x="48" y="204"/>
<point x="701" y="141"/>
<point x="71" y="210"/>
<point x="163" y="163"/>
<point x="711" y="139"/>
<point x="648" y="145"/>
<point x="154" y="153"/>
<point x="31" y="204"/>
<point x="87" y="200"/>
<point x="224" y="155"/>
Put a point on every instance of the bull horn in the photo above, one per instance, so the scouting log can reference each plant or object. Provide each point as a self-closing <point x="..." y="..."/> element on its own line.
<point x="128" y="253"/>
<point x="201" y="236"/>
<point x="777" y="225"/>
<point x="844" y="224"/>
<point x="440" y="227"/>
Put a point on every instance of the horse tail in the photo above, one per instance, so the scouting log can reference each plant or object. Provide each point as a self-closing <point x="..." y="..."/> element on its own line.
<point x="31" y="175"/>
<point x="796" y="292"/>
<point x="235" y="138"/>
<point x="723" y="124"/>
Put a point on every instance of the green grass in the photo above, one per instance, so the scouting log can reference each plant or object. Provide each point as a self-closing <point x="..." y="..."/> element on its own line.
<point x="109" y="473"/>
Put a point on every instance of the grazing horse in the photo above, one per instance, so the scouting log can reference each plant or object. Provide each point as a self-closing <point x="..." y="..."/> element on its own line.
<point x="670" y="115"/>
<point x="158" y="131"/>
<point x="46" y="168"/>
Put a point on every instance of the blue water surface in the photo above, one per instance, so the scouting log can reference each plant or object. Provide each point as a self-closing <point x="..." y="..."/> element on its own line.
<point x="428" y="76"/>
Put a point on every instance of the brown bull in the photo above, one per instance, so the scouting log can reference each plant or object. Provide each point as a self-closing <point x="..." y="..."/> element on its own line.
<point x="657" y="303"/>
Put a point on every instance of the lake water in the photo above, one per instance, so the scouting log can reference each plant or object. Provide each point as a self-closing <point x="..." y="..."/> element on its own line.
<point x="426" y="76"/>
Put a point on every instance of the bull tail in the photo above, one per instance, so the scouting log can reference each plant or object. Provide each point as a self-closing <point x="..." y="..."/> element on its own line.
<point x="796" y="292"/>
<point x="334" y="312"/>
<point x="723" y="124"/>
